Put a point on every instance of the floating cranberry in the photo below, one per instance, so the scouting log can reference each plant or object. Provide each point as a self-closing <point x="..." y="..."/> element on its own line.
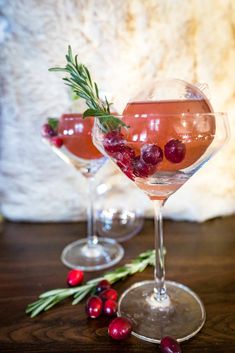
<point x="102" y="285"/>
<point x="75" y="277"/>
<point x="47" y="131"/>
<point x="110" y="307"/>
<point x="175" y="151"/>
<point x="151" y="154"/>
<point x="56" y="141"/>
<point x="169" y="345"/>
<point x="141" y="169"/>
<point x="128" y="170"/>
<point x="109" y="294"/>
<point x="94" y="306"/>
<point x="120" y="328"/>
<point x="113" y="142"/>
<point x="124" y="155"/>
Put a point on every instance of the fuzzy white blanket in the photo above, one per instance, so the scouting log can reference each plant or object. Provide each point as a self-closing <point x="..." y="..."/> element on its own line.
<point x="127" y="44"/>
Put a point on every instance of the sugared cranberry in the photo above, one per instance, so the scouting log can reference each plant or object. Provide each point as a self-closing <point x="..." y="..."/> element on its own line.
<point x="94" y="306"/>
<point x="75" y="277"/>
<point x="110" y="307"/>
<point x="56" y="141"/>
<point x="151" y="154"/>
<point x="109" y="294"/>
<point x="141" y="169"/>
<point x="169" y="345"/>
<point x="102" y="285"/>
<point x="120" y="328"/>
<point x="174" y="151"/>
<point x="113" y="141"/>
<point x="47" y="131"/>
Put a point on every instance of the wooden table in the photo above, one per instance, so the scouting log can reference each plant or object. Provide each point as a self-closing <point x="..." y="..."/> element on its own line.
<point x="201" y="256"/>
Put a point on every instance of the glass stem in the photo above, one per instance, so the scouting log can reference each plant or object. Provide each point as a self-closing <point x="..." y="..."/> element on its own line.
<point x="92" y="239"/>
<point x="159" y="273"/>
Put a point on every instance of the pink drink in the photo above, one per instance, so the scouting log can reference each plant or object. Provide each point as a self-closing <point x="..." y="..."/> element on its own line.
<point x="165" y="125"/>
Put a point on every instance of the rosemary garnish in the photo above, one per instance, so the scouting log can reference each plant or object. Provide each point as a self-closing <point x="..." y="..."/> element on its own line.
<point x="79" y="79"/>
<point x="49" y="299"/>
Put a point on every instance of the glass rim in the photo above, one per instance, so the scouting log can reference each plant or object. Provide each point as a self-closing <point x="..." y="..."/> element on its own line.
<point x="145" y="115"/>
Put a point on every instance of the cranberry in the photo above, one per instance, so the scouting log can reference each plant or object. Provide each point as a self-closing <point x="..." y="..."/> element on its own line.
<point x="169" y="345"/>
<point x="174" y="151"/>
<point x="102" y="285"/>
<point x="120" y="328"/>
<point x="56" y="141"/>
<point x="47" y="131"/>
<point x="128" y="170"/>
<point x="110" y="307"/>
<point x="75" y="277"/>
<point x="109" y="294"/>
<point x="141" y="169"/>
<point x="113" y="141"/>
<point x="151" y="154"/>
<point x="94" y="307"/>
<point x="124" y="155"/>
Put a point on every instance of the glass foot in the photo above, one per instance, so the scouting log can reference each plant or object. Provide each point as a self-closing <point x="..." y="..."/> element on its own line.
<point x="182" y="318"/>
<point x="96" y="257"/>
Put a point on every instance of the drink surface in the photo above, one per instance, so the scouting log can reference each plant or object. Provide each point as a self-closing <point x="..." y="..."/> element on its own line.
<point x="76" y="134"/>
<point x="168" y="124"/>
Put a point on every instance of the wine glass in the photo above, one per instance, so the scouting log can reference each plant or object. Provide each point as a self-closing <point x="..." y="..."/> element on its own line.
<point x="71" y="140"/>
<point x="165" y="143"/>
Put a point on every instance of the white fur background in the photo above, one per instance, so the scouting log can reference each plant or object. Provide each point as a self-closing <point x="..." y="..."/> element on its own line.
<point x="128" y="45"/>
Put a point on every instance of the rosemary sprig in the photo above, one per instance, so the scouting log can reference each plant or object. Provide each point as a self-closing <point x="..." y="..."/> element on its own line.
<point x="49" y="299"/>
<point x="79" y="79"/>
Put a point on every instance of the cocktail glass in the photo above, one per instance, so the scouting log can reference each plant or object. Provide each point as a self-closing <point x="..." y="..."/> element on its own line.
<point x="73" y="143"/>
<point x="160" y="152"/>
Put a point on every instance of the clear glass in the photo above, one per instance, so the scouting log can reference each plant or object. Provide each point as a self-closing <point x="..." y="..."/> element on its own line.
<point x="159" y="153"/>
<point x="93" y="252"/>
<point x="115" y="220"/>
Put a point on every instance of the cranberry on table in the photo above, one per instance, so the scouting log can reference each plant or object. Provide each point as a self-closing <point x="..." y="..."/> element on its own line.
<point x="175" y="151"/>
<point x="94" y="307"/>
<point x="120" y="328"/>
<point x="75" y="277"/>
<point x="56" y="141"/>
<point x="102" y="285"/>
<point x="151" y="154"/>
<point x="110" y="307"/>
<point x="47" y="131"/>
<point x="113" y="141"/>
<point x="109" y="294"/>
<point x="169" y="345"/>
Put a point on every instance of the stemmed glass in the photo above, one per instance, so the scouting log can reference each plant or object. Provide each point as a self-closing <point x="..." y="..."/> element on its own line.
<point x="73" y="143"/>
<point x="160" y="151"/>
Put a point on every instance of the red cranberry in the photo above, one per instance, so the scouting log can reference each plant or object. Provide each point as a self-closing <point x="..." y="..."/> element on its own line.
<point x="169" y="345"/>
<point x="141" y="169"/>
<point x="47" y="131"/>
<point x="128" y="170"/>
<point x="102" y="285"/>
<point x="113" y="141"/>
<point x="174" y="151"/>
<point x="75" y="277"/>
<point x="120" y="328"/>
<point x="110" y="307"/>
<point x="124" y="155"/>
<point x="57" y="142"/>
<point x="109" y="294"/>
<point x="94" y="306"/>
<point x="151" y="154"/>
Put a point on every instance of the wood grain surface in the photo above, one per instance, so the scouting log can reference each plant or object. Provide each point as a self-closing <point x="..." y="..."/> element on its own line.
<point x="201" y="256"/>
